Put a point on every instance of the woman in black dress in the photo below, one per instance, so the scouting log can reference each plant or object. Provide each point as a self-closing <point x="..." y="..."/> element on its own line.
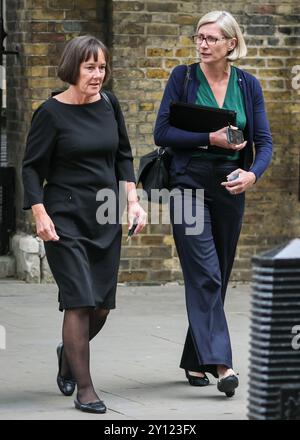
<point x="78" y="143"/>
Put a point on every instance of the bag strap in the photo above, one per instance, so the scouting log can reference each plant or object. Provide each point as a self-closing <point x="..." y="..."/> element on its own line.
<point x="161" y="149"/>
<point x="186" y="83"/>
<point x="109" y="101"/>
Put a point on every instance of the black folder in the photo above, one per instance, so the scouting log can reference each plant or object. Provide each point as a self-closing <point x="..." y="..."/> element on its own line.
<point x="199" y="118"/>
<point x="202" y="119"/>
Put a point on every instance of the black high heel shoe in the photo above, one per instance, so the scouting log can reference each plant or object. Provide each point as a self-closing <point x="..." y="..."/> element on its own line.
<point x="93" y="407"/>
<point x="228" y="385"/>
<point x="66" y="385"/>
<point x="196" y="381"/>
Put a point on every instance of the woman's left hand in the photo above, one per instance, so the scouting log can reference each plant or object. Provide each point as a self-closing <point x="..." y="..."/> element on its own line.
<point x="136" y="211"/>
<point x="238" y="185"/>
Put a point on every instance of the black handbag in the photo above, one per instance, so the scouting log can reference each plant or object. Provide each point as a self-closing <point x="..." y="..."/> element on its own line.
<point x="153" y="171"/>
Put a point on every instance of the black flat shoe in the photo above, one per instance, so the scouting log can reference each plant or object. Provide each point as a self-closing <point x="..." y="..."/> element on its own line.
<point x="66" y="385"/>
<point x="93" y="407"/>
<point x="228" y="385"/>
<point x="196" y="381"/>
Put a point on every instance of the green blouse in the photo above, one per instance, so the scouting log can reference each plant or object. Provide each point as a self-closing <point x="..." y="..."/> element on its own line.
<point x="233" y="101"/>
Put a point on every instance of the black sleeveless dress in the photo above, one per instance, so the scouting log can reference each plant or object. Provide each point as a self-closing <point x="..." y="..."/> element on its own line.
<point x="83" y="152"/>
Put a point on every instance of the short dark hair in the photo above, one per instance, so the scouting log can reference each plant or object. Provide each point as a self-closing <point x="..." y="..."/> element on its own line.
<point x="78" y="50"/>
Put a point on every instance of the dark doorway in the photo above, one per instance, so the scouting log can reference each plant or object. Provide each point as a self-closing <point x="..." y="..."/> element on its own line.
<point x="7" y="179"/>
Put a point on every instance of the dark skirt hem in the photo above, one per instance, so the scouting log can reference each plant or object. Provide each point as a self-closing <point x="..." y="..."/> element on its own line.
<point x="61" y="307"/>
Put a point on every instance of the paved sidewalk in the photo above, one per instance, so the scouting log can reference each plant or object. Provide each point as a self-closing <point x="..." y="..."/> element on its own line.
<point x="134" y="359"/>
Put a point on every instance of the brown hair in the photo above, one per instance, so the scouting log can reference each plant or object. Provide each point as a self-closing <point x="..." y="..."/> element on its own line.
<point x="77" y="51"/>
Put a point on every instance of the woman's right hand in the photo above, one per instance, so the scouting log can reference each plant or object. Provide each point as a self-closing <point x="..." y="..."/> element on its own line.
<point x="219" y="139"/>
<point x="45" y="228"/>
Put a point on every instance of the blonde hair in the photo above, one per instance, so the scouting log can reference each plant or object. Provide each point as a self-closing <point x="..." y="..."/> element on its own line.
<point x="230" y="29"/>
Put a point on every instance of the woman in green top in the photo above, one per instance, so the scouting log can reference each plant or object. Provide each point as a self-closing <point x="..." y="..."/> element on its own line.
<point x="233" y="100"/>
<point x="225" y="172"/>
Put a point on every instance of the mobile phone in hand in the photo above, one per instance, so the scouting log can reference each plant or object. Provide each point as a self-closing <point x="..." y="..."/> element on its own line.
<point x="233" y="177"/>
<point x="234" y="136"/>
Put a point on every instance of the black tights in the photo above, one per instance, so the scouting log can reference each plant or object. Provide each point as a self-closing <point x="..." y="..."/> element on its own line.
<point x="79" y="327"/>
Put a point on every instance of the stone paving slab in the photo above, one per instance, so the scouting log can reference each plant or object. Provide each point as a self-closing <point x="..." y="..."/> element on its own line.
<point x="134" y="359"/>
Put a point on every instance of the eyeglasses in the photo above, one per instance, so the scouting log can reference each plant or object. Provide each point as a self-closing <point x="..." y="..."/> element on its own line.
<point x="210" y="40"/>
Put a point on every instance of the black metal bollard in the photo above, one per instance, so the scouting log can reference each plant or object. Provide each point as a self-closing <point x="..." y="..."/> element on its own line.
<point x="274" y="375"/>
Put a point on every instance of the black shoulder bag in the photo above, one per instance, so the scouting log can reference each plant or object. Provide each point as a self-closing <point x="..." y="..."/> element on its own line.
<point x="153" y="171"/>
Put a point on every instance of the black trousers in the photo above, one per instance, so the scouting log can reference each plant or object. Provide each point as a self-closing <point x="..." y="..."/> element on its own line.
<point x="206" y="260"/>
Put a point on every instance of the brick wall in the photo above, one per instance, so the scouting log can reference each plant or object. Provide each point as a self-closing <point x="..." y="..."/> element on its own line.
<point x="148" y="38"/>
<point x="151" y="37"/>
